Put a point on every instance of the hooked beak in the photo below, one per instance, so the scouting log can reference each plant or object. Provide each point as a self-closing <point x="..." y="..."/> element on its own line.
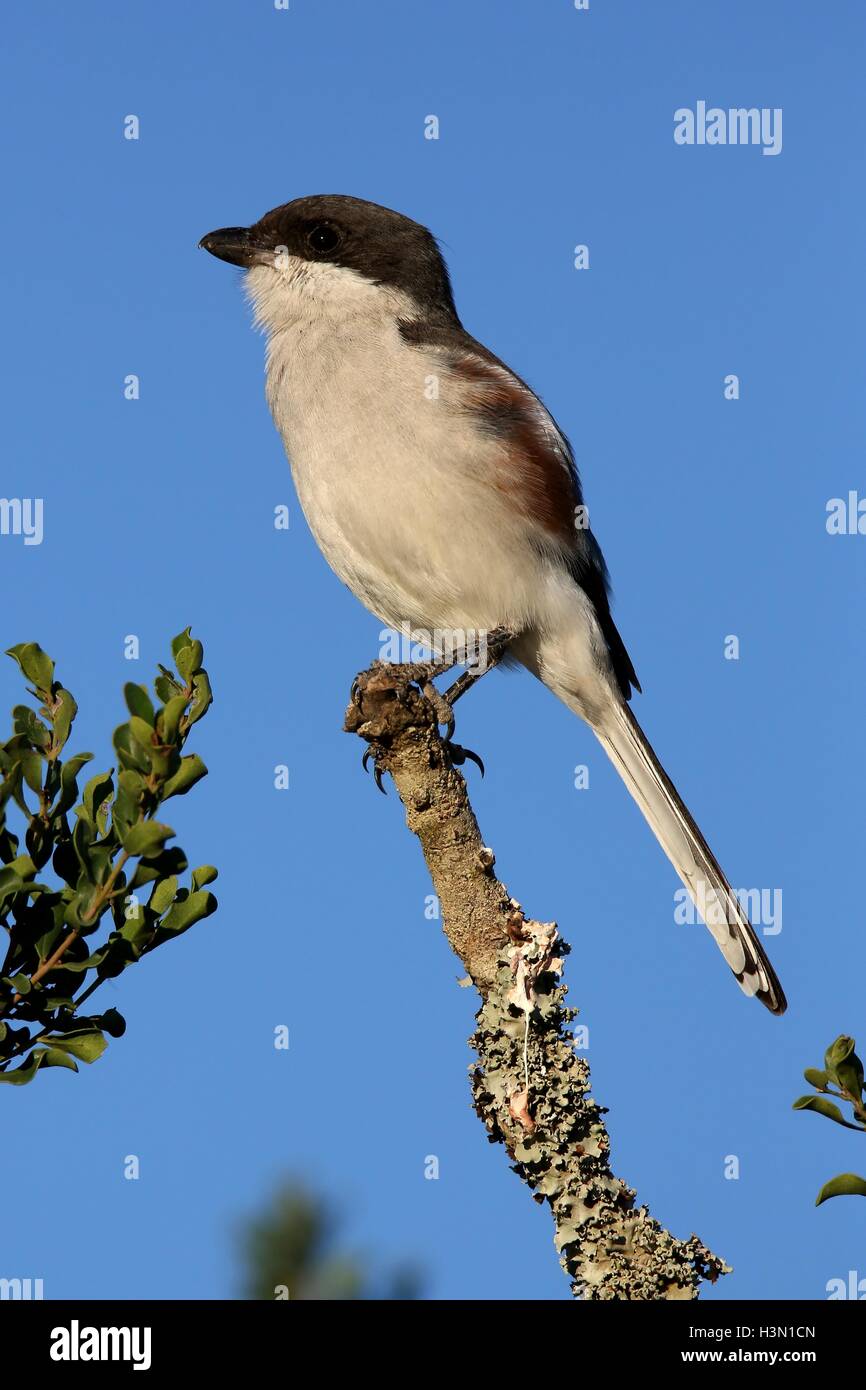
<point x="237" y="245"/>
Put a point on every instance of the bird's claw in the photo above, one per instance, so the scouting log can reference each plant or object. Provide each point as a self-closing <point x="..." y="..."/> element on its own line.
<point x="377" y="771"/>
<point x="459" y="755"/>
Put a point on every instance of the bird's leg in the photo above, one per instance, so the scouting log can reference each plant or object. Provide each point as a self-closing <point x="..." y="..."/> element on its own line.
<point x="498" y="642"/>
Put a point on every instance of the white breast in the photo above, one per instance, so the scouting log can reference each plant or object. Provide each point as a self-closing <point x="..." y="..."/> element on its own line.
<point x="393" y="478"/>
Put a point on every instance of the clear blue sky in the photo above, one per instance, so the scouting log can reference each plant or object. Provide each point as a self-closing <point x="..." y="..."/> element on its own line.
<point x="556" y="129"/>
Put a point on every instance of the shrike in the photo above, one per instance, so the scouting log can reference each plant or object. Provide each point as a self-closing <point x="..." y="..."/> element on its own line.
<point x="443" y="493"/>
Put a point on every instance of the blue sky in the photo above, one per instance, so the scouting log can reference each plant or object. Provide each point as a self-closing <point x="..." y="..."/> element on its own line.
<point x="556" y="128"/>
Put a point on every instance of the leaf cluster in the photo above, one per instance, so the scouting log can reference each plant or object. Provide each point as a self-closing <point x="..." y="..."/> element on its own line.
<point x="117" y="894"/>
<point x="841" y="1078"/>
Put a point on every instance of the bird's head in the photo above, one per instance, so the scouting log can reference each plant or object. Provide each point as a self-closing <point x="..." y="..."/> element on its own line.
<point x="336" y="256"/>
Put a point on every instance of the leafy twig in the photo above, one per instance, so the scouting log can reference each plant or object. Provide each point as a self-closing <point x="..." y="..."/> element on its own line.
<point x="842" y="1066"/>
<point x="114" y="848"/>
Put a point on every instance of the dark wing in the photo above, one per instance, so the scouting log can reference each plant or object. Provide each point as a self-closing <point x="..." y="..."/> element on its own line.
<point x="547" y="480"/>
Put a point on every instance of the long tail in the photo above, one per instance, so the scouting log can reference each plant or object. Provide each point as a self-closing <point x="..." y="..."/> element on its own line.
<point x="629" y="750"/>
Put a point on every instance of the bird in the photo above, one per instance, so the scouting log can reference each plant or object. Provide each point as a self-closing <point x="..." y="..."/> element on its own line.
<point x="442" y="491"/>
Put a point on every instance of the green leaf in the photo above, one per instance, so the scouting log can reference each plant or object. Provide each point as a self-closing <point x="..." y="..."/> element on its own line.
<point x="132" y="783"/>
<point x="186" y="913"/>
<point x="69" y="783"/>
<point x="63" y="717"/>
<point x="170" y="717"/>
<point x="838" y="1051"/>
<point x="849" y="1074"/>
<point x="147" y="838"/>
<point x="20" y="1076"/>
<point x="85" y="1044"/>
<point x="23" y="865"/>
<point x="34" y="731"/>
<point x="45" y="943"/>
<point x="31" y="766"/>
<point x="10" y="779"/>
<point x="34" y="664"/>
<point x="816" y="1078"/>
<point x="166" y="686"/>
<point x="845" y="1066"/>
<point x="138" y="702"/>
<point x="162" y="896"/>
<point x="202" y="698"/>
<point x="171" y="861"/>
<point x="142" y="732"/>
<point x="54" y="1057"/>
<point x="39" y="1057"/>
<point x="188" y="659"/>
<point x="137" y="930"/>
<point x="845" y="1185"/>
<point x="97" y="791"/>
<point x="77" y="912"/>
<point x="205" y="873"/>
<point x="125" y="810"/>
<point x="841" y="1054"/>
<point x="822" y="1106"/>
<point x="14" y="874"/>
<point x="191" y="770"/>
<point x="129" y="753"/>
<point x="163" y="762"/>
<point x="100" y="862"/>
<point x="89" y="962"/>
<point x="82" y="842"/>
<point x="10" y="883"/>
<point x="182" y="639"/>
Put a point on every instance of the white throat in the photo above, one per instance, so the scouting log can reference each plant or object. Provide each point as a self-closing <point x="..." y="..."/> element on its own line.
<point x="292" y="291"/>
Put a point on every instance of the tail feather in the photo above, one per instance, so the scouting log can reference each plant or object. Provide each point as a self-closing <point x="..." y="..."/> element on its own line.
<point x="670" y="820"/>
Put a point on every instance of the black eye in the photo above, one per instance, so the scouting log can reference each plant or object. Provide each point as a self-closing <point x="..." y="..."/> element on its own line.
<point x="323" y="239"/>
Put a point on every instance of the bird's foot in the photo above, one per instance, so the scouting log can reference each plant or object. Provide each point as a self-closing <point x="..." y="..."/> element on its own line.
<point x="423" y="673"/>
<point x="444" y="711"/>
<point x="495" y="646"/>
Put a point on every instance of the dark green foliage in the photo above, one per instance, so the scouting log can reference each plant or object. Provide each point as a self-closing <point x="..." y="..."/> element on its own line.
<point x="842" y="1078"/>
<point x="66" y="937"/>
<point x="291" y="1252"/>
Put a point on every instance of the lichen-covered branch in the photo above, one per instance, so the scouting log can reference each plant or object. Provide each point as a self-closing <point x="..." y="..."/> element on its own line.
<point x="529" y="1087"/>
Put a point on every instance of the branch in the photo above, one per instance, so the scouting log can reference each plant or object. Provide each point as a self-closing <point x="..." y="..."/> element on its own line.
<point x="529" y="1087"/>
